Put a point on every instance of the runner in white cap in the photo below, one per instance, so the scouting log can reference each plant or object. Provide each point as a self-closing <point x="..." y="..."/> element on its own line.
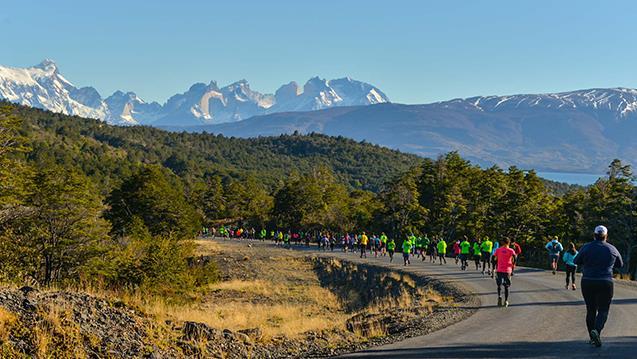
<point x="598" y="259"/>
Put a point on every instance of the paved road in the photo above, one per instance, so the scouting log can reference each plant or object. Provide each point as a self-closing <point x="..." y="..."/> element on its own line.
<point x="544" y="320"/>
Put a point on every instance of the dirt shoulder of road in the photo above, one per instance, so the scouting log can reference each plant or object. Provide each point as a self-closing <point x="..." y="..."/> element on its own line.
<point x="300" y="303"/>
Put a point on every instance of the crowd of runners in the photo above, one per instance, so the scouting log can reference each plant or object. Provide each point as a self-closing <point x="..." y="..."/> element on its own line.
<point x="496" y="259"/>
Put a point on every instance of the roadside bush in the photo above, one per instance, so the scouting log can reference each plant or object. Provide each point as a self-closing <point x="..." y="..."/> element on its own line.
<point x="153" y="264"/>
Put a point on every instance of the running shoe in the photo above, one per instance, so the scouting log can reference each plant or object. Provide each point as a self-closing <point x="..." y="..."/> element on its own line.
<point x="506" y="303"/>
<point x="573" y="287"/>
<point x="566" y="286"/>
<point x="499" y="301"/>
<point x="595" y="338"/>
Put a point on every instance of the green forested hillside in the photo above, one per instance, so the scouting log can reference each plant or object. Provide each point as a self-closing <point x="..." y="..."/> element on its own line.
<point x="105" y="152"/>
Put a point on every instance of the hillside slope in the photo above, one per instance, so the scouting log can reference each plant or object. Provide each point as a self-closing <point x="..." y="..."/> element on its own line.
<point x="106" y="152"/>
<point x="579" y="131"/>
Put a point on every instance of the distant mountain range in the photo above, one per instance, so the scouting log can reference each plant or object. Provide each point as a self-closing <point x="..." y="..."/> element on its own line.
<point x="42" y="86"/>
<point x="578" y="131"/>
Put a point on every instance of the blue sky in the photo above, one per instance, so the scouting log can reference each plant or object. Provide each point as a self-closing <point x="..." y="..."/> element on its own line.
<point x="415" y="51"/>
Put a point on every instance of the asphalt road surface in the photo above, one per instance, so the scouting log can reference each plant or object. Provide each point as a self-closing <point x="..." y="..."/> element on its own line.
<point x="544" y="320"/>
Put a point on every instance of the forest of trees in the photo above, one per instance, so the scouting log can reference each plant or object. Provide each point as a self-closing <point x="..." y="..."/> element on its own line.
<point x="84" y="201"/>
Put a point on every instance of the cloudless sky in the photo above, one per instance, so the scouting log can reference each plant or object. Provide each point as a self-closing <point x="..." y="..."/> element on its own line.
<point x="415" y="51"/>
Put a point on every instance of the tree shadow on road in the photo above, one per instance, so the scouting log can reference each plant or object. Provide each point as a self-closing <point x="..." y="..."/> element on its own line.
<point x="622" y="347"/>
<point x="554" y="304"/>
<point x="494" y="292"/>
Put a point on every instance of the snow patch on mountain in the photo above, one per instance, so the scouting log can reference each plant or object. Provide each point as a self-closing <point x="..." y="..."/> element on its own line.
<point x="622" y="101"/>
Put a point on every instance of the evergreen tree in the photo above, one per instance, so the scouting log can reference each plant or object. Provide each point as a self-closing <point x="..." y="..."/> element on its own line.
<point x="62" y="231"/>
<point x="156" y="196"/>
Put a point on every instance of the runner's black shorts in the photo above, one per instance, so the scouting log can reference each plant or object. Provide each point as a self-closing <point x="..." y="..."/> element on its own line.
<point x="464" y="257"/>
<point x="486" y="256"/>
<point x="503" y="278"/>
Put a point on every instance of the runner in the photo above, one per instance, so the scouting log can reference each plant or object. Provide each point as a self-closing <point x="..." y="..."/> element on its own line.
<point x="456" y="250"/>
<point x="554" y="247"/>
<point x="407" y="248"/>
<point x="412" y="241"/>
<point x="477" y="255"/>
<point x="363" y="244"/>
<point x="486" y="247"/>
<point x="391" y="247"/>
<point x="377" y="245"/>
<point x="425" y="247"/>
<point x="571" y="267"/>
<point x="432" y="250"/>
<point x="518" y="250"/>
<point x="504" y="258"/>
<point x="598" y="259"/>
<point x="383" y="243"/>
<point x="496" y="245"/>
<point x="420" y="250"/>
<point x="442" y="251"/>
<point x="465" y="250"/>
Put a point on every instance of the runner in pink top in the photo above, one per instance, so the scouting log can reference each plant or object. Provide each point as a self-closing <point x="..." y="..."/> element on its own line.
<point x="505" y="258"/>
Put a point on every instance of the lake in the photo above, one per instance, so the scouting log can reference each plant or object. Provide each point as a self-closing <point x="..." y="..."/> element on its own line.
<point x="583" y="179"/>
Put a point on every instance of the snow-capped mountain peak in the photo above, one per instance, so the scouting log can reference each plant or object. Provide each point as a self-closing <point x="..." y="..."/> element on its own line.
<point x="48" y="66"/>
<point x="43" y="86"/>
<point x="622" y="101"/>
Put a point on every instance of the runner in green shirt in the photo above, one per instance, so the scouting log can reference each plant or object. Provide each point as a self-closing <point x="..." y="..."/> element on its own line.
<point x="465" y="250"/>
<point x="407" y="246"/>
<point x="486" y="247"/>
<point x="263" y="234"/>
<point x="425" y="247"/>
<point x="476" y="253"/>
<point x="419" y="246"/>
<point x="391" y="247"/>
<point x="412" y="241"/>
<point x="383" y="243"/>
<point x="442" y="251"/>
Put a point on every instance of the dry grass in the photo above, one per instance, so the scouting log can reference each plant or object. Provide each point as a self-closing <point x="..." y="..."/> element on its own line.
<point x="57" y="335"/>
<point x="276" y="309"/>
<point x="282" y="297"/>
<point x="272" y="319"/>
<point x="7" y="321"/>
<point x="426" y="298"/>
<point x="206" y="247"/>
